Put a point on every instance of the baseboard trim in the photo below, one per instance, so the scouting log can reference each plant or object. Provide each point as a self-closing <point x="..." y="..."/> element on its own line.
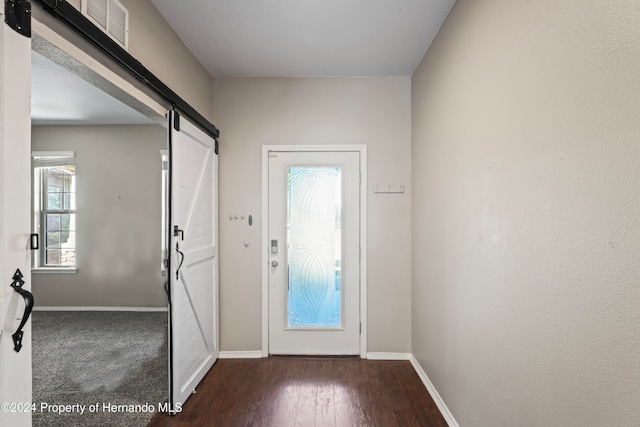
<point x="95" y="308"/>
<point x="240" y="354"/>
<point x="446" y="413"/>
<point x="388" y="356"/>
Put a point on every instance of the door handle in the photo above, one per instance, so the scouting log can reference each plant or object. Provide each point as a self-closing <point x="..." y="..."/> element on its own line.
<point x="28" y="306"/>
<point x="177" y="231"/>
<point x="34" y="243"/>
<point x="181" y="261"/>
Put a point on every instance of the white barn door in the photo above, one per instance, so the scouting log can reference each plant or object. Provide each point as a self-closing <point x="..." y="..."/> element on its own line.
<point x="194" y="257"/>
<point x="15" y="221"/>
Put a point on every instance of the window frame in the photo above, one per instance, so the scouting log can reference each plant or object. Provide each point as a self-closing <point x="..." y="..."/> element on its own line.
<point x="41" y="162"/>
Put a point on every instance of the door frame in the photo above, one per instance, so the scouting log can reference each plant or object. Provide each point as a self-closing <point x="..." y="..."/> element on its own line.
<point x="15" y="73"/>
<point x="362" y="149"/>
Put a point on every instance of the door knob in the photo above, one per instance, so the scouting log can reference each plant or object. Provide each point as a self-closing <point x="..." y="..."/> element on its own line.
<point x="274" y="264"/>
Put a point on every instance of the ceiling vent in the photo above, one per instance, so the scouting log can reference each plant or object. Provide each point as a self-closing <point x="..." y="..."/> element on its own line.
<point x="111" y="17"/>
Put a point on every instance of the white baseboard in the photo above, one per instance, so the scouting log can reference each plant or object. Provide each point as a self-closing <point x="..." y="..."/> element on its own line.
<point x="240" y="354"/>
<point x="448" y="416"/>
<point x="258" y="354"/>
<point x="388" y="356"/>
<point x="92" y="308"/>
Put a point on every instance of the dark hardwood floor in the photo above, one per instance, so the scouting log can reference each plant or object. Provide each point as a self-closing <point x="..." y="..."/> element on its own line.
<point x="308" y="391"/>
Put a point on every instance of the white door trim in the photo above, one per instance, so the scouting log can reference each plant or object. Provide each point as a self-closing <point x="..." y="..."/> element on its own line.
<point x="362" y="149"/>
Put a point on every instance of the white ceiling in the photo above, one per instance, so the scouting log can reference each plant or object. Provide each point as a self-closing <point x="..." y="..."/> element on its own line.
<point x="59" y="97"/>
<point x="260" y="38"/>
<point x="307" y="37"/>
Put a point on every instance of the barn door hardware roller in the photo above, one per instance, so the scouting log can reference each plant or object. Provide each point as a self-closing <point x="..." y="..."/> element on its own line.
<point x="17" y="15"/>
<point x="28" y="306"/>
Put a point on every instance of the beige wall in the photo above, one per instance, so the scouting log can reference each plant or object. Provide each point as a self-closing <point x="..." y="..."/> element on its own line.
<point x="252" y="112"/>
<point x="118" y="217"/>
<point x="154" y="43"/>
<point x="526" y="215"/>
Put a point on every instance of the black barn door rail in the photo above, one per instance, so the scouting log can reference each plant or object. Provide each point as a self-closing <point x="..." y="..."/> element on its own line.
<point x="83" y="26"/>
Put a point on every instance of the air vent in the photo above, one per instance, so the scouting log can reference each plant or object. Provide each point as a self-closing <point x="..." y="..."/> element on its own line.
<point x="111" y="17"/>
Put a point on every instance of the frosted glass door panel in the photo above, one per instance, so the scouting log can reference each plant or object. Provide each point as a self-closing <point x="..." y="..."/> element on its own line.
<point x="314" y="247"/>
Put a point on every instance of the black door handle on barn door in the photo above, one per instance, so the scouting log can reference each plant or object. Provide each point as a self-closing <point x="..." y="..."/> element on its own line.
<point x="34" y="243"/>
<point x="28" y="306"/>
<point x="181" y="260"/>
<point x="177" y="232"/>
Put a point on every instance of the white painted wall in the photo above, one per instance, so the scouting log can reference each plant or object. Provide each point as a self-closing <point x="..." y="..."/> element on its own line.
<point x="119" y="255"/>
<point x="260" y="111"/>
<point x="526" y="215"/>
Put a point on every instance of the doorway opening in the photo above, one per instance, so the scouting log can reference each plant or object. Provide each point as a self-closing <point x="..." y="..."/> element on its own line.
<point x="100" y="325"/>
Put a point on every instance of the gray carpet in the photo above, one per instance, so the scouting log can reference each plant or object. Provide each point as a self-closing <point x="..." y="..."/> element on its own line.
<point x="101" y="359"/>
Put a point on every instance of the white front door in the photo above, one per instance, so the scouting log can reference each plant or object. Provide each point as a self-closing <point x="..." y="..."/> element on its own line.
<point x="15" y="221"/>
<point x="314" y="252"/>
<point x="193" y="170"/>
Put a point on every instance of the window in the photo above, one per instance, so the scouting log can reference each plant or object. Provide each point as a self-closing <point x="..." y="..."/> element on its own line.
<point x="54" y="201"/>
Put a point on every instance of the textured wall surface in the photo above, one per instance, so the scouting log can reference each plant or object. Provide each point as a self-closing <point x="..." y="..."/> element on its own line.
<point x="119" y="254"/>
<point x="260" y="111"/>
<point x="526" y="213"/>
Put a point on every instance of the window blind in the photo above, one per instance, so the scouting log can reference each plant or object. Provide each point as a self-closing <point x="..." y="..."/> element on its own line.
<point x="45" y="159"/>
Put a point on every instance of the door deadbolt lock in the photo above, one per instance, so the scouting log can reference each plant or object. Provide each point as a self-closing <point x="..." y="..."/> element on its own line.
<point x="274" y="264"/>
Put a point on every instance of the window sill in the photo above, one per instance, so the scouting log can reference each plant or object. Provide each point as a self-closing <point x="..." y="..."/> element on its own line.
<point x="54" y="270"/>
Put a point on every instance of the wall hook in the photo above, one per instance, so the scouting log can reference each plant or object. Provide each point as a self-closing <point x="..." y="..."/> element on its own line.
<point x="390" y="189"/>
